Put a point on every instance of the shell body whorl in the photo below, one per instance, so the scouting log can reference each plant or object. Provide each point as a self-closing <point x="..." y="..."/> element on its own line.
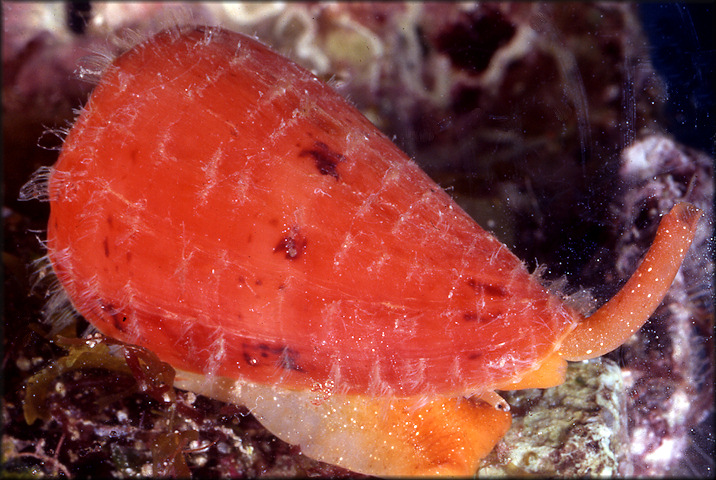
<point x="224" y="208"/>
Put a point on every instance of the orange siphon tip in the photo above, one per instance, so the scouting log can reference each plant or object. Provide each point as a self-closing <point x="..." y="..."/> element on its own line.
<point x="631" y="307"/>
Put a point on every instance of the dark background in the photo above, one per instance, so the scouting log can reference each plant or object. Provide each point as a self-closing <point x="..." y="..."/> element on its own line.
<point x="688" y="30"/>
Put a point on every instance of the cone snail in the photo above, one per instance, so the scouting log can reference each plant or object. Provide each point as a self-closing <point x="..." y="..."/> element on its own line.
<point x="219" y="205"/>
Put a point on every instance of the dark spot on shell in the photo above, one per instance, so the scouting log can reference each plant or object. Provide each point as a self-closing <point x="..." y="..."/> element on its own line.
<point x="325" y="158"/>
<point x="495" y="290"/>
<point x="293" y="244"/>
<point x="129" y="256"/>
<point x="117" y="324"/>
<point x="474" y="355"/>
<point x="263" y="353"/>
<point x="482" y="317"/>
<point x="289" y="360"/>
<point x="487" y="288"/>
<point x="251" y="353"/>
<point x="267" y="349"/>
<point x="105" y="243"/>
<point x="258" y="282"/>
<point x="118" y="319"/>
<point x="110" y="220"/>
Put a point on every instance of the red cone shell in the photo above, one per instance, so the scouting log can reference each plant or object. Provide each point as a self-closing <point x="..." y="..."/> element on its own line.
<point x="224" y="208"/>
